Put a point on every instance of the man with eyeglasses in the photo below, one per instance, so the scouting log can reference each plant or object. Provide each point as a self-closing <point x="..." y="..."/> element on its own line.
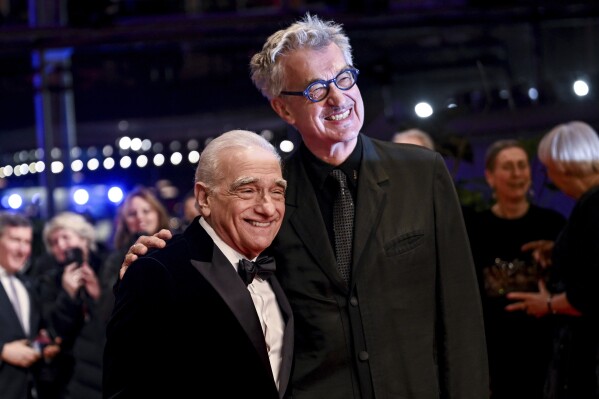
<point x="403" y="319"/>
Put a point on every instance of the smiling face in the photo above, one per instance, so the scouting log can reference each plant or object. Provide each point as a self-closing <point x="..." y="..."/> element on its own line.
<point x="510" y="178"/>
<point x="247" y="206"/>
<point x="336" y="119"/>
<point x="15" y="247"/>
<point x="140" y="216"/>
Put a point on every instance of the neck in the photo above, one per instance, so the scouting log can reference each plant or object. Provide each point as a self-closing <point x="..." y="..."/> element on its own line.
<point x="509" y="210"/>
<point x="334" y="154"/>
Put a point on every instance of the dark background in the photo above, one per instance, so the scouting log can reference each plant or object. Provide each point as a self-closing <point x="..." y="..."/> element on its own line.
<point x="171" y="71"/>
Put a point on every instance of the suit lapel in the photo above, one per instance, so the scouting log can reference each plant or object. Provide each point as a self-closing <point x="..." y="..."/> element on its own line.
<point x="303" y="213"/>
<point x="221" y="275"/>
<point x="371" y="197"/>
<point x="287" y="351"/>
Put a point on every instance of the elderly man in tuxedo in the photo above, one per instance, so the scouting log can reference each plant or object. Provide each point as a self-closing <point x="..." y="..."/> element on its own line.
<point x="198" y="317"/>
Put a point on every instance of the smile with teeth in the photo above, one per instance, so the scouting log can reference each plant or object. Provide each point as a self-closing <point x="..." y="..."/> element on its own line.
<point x="260" y="224"/>
<point x="338" y="117"/>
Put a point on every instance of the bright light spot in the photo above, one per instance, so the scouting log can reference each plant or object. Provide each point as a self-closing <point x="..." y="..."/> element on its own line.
<point x="141" y="161"/>
<point x="17" y="170"/>
<point x="124" y="143"/>
<point x="32" y="168"/>
<point x="158" y="159"/>
<point x="115" y="194"/>
<point x="193" y="157"/>
<point x="77" y="165"/>
<point x="108" y="163"/>
<point x="176" y="158"/>
<point x="81" y="196"/>
<point x="24" y="169"/>
<point x="15" y="201"/>
<point x="135" y="144"/>
<point x="8" y="170"/>
<point x="56" y="167"/>
<point x="125" y="162"/>
<point x="423" y="110"/>
<point x="93" y="164"/>
<point x="40" y="166"/>
<point x="533" y="93"/>
<point x="286" y="146"/>
<point x="581" y="88"/>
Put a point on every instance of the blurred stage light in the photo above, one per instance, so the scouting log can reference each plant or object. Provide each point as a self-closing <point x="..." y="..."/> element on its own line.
<point x="581" y="88"/>
<point x="81" y="196"/>
<point x="15" y="201"/>
<point x="423" y="110"/>
<point x="115" y="194"/>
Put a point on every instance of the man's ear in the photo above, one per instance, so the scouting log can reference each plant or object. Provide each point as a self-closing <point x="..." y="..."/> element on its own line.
<point x="280" y="107"/>
<point x="201" y="193"/>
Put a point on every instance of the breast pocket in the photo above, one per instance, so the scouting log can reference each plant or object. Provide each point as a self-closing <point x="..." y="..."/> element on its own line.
<point x="404" y="243"/>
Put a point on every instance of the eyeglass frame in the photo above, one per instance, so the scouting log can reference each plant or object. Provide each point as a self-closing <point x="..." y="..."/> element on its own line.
<point x="327" y="83"/>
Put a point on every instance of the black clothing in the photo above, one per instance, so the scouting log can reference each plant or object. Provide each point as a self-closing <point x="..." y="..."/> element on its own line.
<point x="574" y="372"/>
<point x="519" y="345"/>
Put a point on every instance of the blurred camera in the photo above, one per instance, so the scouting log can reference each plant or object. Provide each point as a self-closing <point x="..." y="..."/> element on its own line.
<point x="73" y="255"/>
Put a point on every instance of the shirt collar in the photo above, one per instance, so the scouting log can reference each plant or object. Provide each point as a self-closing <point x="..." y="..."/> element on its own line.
<point x="232" y="255"/>
<point x="320" y="170"/>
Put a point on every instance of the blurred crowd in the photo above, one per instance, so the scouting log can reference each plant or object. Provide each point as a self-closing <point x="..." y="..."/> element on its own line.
<point x="536" y="269"/>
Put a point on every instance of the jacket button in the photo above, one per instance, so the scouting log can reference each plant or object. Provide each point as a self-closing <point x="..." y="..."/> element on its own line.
<point x="354" y="301"/>
<point x="363" y="356"/>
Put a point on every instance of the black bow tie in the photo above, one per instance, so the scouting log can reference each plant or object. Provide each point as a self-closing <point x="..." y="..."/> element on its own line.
<point x="263" y="267"/>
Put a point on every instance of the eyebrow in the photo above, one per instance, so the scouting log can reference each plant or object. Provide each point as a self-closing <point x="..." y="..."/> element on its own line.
<point x="242" y="181"/>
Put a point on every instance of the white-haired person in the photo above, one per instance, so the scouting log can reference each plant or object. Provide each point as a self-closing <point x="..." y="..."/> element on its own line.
<point x="570" y="153"/>
<point x="71" y="289"/>
<point x="416" y="137"/>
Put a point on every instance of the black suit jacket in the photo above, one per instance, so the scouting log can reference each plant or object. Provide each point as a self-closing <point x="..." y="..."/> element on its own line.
<point x="410" y="323"/>
<point x="184" y="325"/>
<point x="15" y="381"/>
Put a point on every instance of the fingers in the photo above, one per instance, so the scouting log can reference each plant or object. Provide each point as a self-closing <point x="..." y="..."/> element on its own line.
<point x="164" y="234"/>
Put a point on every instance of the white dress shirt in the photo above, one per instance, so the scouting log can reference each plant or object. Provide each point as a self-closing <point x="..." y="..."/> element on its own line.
<point x="265" y="302"/>
<point x="22" y="299"/>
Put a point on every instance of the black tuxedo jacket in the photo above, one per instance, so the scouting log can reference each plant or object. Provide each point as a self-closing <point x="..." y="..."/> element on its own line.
<point x="14" y="381"/>
<point x="184" y="325"/>
<point x="410" y="323"/>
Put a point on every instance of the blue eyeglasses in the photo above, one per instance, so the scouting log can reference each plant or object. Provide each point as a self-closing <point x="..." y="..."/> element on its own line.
<point x="319" y="90"/>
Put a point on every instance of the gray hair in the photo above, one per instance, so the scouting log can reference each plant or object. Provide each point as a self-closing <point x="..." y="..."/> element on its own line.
<point x="209" y="168"/>
<point x="424" y="137"/>
<point x="572" y="148"/>
<point x="310" y="32"/>
<point x="12" y="219"/>
<point x="73" y="222"/>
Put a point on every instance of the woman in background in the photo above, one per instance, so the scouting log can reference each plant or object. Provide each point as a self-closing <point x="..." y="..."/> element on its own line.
<point x="141" y="213"/>
<point x="71" y="291"/>
<point x="518" y="345"/>
<point x="570" y="152"/>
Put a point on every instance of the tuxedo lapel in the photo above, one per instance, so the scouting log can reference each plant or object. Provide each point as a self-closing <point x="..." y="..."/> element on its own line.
<point x="303" y="213"/>
<point x="222" y="276"/>
<point x="287" y="351"/>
